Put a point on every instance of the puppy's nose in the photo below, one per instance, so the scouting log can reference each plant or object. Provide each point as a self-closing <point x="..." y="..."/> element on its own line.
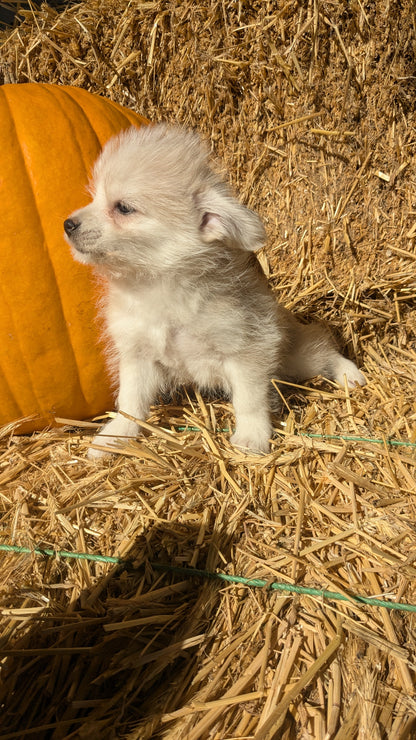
<point x="70" y="225"/>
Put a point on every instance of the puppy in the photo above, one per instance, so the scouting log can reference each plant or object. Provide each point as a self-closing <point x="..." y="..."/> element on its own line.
<point x="187" y="301"/>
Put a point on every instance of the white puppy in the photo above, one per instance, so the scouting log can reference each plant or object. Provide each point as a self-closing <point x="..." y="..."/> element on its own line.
<point x="187" y="300"/>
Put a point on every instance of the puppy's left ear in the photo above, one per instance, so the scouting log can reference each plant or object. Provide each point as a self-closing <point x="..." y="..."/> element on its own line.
<point x="222" y="218"/>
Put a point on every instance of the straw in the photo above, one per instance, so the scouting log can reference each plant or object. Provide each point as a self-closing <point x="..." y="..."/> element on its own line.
<point x="309" y="108"/>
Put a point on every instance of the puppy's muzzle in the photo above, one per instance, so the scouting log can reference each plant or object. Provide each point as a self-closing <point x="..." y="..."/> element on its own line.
<point x="71" y="225"/>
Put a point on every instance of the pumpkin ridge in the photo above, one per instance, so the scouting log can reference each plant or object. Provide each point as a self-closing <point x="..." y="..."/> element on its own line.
<point x="64" y="91"/>
<point x="14" y="410"/>
<point x="125" y="114"/>
<point x="47" y="257"/>
<point x="20" y="351"/>
<point x="3" y="377"/>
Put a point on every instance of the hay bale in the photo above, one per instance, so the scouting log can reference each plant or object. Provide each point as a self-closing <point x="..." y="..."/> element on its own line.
<point x="311" y="108"/>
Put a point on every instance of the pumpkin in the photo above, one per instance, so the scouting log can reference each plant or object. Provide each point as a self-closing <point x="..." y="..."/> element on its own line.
<point x="52" y="362"/>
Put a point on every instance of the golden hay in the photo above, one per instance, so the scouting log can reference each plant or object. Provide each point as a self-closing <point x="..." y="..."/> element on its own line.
<point x="310" y="105"/>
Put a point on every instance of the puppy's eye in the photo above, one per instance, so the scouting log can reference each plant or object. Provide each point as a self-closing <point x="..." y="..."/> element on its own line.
<point x="123" y="208"/>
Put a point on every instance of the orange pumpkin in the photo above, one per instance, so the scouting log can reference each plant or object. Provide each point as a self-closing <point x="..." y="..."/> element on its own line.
<point x="51" y="361"/>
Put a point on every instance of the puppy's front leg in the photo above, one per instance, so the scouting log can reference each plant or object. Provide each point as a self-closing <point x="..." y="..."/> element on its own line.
<point x="140" y="380"/>
<point x="250" y="398"/>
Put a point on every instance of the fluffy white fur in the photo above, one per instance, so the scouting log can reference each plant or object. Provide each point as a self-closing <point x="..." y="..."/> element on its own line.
<point x="187" y="301"/>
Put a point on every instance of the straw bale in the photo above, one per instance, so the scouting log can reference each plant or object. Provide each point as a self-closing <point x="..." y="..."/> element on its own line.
<point x="309" y="108"/>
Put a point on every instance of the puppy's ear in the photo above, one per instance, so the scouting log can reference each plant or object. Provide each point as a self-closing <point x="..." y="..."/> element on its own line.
<point x="222" y="218"/>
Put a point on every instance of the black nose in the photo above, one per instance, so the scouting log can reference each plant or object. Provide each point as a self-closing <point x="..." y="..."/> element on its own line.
<point x="70" y="225"/>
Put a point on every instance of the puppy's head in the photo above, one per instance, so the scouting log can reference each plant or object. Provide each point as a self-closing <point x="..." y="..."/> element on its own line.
<point x="156" y="203"/>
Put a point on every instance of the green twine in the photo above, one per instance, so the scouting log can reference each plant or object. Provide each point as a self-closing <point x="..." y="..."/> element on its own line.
<point x="346" y="438"/>
<point x="62" y="554"/>
<point x="337" y="437"/>
<point x="195" y="572"/>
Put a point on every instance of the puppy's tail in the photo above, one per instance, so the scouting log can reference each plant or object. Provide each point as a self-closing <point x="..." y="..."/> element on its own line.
<point x="313" y="352"/>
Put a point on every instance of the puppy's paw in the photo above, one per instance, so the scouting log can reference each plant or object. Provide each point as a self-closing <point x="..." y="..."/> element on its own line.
<point x="112" y="435"/>
<point x="254" y="436"/>
<point x="345" y="368"/>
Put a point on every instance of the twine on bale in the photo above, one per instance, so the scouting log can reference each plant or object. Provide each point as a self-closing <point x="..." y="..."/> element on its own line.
<point x="196" y="572"/>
